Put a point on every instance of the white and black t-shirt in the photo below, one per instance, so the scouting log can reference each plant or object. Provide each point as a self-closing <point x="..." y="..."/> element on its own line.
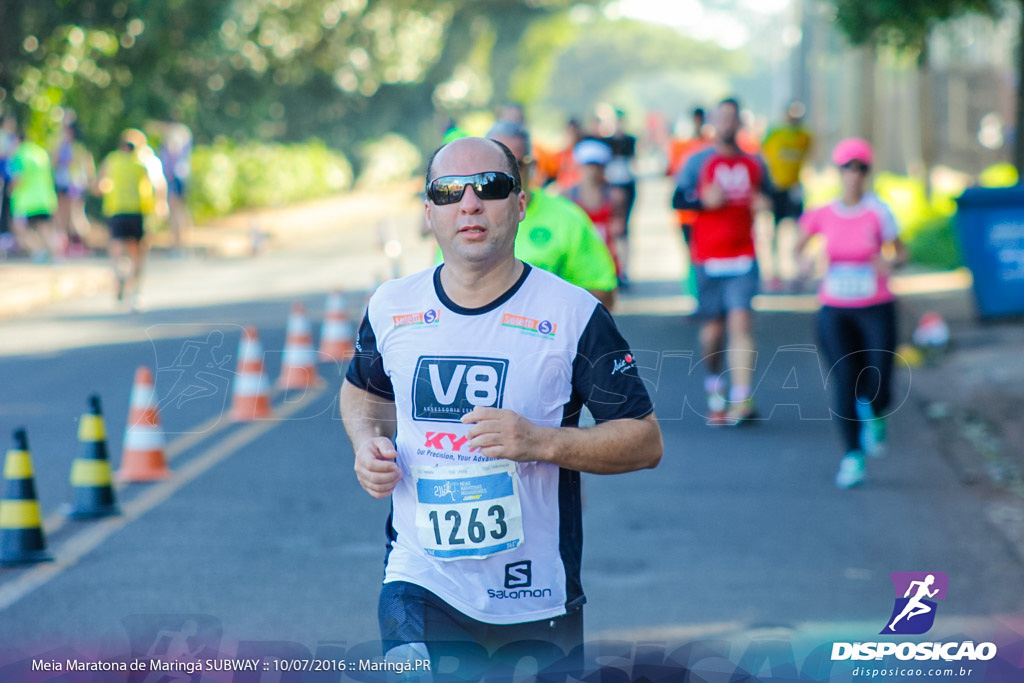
<point x="500" y="541"/>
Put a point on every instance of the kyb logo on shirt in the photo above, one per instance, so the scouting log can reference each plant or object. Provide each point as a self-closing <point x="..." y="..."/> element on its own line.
<point x="446" y="388"/>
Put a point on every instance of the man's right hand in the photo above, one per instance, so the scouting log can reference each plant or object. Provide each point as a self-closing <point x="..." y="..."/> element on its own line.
<point x="375" y="466"/>
<point x="712" y="196"/>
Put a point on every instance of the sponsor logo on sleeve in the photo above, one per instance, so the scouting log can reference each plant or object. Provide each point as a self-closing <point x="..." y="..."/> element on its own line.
<point x="627" y="362"/>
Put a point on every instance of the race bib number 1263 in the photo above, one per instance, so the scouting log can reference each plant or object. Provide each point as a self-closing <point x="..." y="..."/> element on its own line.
<point x="468" y="511"/>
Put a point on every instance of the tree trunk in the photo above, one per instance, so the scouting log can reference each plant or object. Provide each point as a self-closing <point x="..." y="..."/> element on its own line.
<point x="869" y="59"/>
<point x="10" y="46"/>
<point x="926" y="118"/>
<point x="1018" y="136"/>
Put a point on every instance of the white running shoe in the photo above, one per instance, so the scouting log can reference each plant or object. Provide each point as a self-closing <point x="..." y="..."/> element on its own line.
<point x="851" y="470"/>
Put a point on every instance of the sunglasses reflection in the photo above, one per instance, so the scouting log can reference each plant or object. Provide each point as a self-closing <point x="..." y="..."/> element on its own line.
<point x="489" y="185"/>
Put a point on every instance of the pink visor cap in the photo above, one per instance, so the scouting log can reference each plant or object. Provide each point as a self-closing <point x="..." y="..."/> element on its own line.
<point x="853" y="149"/>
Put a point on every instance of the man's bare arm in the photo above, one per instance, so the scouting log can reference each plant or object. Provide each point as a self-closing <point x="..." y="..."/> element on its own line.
<point x="610" y="448"/>
<point x="370" y="422"/>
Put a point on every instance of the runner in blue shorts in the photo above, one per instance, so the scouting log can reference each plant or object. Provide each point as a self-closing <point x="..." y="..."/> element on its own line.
<point x="717" y="295"/>
<point x="462" y="405"/>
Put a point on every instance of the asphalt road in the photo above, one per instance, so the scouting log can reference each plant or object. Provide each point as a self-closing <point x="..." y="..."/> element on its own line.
<point x="262" y="541"/>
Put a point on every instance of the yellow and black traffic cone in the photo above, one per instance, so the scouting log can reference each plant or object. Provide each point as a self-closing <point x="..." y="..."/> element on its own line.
<point x="21" y="524"/>
<point x="91" y="478"/>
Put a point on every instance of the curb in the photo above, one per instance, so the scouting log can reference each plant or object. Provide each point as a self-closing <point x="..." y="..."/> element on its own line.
<point x="29" y="286"/>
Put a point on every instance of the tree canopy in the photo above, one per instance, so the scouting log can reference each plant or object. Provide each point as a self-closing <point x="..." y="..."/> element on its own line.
<point x="904" y="24"/>
<point x="340" y="70"/>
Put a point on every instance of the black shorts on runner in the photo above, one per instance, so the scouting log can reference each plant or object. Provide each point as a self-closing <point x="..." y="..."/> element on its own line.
<point x="35" y="219"/>
<point x="409" y="613"/>
<point x="125" y="226"/>
<point x="787" y="203"/>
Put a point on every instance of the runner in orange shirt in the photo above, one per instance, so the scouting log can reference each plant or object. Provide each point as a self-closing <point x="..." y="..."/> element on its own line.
<point x="680" y="150"/>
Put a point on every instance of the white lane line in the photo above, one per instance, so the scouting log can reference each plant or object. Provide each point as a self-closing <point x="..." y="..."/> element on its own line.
<point x="83" y="542"/>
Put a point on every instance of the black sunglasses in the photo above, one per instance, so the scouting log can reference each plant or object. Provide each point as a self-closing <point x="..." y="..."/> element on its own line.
<point x="856" y="167"/>
<point x="490" y="185"/>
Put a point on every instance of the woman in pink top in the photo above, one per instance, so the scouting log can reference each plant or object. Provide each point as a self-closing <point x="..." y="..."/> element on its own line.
<point x="857" y="322"/>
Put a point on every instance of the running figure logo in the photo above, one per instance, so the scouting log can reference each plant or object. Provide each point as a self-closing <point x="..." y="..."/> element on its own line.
<point x="916" y="592"/>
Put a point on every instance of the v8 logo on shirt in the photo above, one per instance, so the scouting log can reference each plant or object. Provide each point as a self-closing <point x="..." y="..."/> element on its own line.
<point x="446" y="387"/>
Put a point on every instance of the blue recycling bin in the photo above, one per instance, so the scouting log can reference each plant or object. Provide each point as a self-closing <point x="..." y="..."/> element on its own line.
<point x="990" y="229"/>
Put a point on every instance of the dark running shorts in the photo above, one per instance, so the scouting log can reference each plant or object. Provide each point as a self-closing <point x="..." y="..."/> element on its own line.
<point x="35" y="219"/>
<point x="409" y="613"/>
<point x="125" y="226"/>
<point x="787" y="203"/>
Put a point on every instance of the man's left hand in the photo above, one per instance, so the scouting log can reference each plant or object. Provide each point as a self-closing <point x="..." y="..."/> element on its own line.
<point x="503" y="434"/>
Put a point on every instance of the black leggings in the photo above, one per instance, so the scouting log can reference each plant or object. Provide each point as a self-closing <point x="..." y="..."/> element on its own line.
<point x="630" y="191"/>
<point x="860" y="345"/>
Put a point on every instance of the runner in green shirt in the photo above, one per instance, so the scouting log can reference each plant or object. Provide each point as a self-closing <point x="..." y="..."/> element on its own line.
<point x="557" y="235"/>
<point x="33" y="199"/>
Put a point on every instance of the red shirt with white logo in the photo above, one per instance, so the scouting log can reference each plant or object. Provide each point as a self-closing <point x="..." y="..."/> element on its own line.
<point x="728" y="231"/>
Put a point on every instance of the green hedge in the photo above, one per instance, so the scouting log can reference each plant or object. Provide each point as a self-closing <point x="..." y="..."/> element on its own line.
<point x="926" y="226"/>
<point x="228" y="177"/>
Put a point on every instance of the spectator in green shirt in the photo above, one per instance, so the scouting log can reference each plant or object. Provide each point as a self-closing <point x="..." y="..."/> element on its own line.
<point x="556" y="234"/>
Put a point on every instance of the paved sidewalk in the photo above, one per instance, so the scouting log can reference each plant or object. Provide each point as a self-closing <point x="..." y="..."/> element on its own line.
<point x="973" y="396"/>
<point x="27" y="286"/>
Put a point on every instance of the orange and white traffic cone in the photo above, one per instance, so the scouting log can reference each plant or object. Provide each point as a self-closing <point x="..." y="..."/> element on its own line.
<point x="21" y="523"/>
<point x="252" y="389"/>
<point x="337" y="338"/>
<point x="298" y="368"/>
<point x="143" y="457"/>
